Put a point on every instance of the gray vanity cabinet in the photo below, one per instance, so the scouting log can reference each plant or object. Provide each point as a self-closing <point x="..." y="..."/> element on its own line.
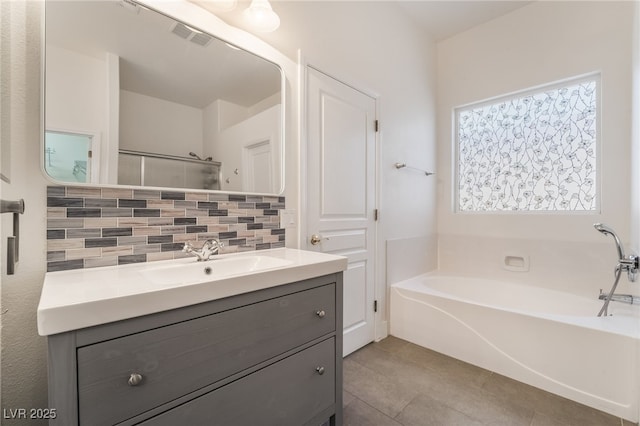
<point x="270" y="357"/>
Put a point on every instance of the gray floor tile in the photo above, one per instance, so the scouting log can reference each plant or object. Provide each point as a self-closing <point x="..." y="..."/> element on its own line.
<point x="562" y="410"/>
<point x="416" y="387"/>
<point x="388" y="394"/>
<point x="481" y="406"/>
<point x="415" y="376"/>
<point x="347" y="398"/>
<point x="448" y="368"/>
<point x="425" y="411"/>
<point x="358" y="413"/>
<point x="392" y="344"/>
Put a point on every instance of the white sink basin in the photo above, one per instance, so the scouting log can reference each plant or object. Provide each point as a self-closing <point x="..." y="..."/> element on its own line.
<point x="213" y="269"/>
<point x="81" y="298"/>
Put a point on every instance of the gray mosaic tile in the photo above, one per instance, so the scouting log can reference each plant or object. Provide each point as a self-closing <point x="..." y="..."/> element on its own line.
<point x="65" y="265"/>
<point x="56" y="234"/>
<point x="128" y="226"/>
<point x="53" y="256"/>
<point x="146" y="212"/>
<point x="56" y="191"/>
<point x="132" y="203"/>
<point x="65" y="202"/>
<point x="64" y="223"/>
<point x="145" y="194"/>
<point x="117" y="212"/>
<point x="133" y="258"/>
<point x="100" y="242"/>
<point x="170" y="195"/>
<point x="117" y="232"/>
<point x="100" y="202"/>
<point x="84" y="233"/>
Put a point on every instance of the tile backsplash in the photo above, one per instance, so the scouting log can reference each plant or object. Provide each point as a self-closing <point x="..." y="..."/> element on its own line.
<point x="90" y="227"/>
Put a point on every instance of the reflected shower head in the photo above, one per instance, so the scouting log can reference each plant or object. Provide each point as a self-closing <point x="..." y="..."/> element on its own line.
<point x="604" y="229"/>
<point x="193" y="154"/>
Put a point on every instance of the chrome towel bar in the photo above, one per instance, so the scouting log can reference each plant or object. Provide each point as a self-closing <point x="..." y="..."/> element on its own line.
<point x="403" y="165"/>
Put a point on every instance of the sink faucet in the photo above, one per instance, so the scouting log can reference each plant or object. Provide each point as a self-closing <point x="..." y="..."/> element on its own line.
<point x="209" y="248"/>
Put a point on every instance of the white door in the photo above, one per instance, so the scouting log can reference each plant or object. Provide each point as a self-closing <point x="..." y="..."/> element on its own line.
<point x="340" y="193"/>
<point x="257" y="161"/>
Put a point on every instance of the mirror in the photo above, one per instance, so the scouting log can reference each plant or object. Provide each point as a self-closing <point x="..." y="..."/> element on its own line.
<point x="134" y="97"/>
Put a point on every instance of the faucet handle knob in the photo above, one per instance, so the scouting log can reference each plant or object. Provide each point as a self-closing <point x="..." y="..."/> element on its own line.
<point x="187" y="248"/>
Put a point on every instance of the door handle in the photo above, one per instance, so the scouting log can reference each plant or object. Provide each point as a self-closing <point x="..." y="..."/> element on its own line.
<point x="316" y="239"/>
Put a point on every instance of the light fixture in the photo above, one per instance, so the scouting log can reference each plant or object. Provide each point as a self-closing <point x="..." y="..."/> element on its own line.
<point x="261" y="16"/>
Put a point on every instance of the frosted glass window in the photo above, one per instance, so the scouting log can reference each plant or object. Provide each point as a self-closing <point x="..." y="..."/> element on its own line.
<point x="530" y="152"/>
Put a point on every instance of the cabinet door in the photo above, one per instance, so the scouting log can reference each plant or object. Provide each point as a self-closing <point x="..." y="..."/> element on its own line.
<point x="290" y="392"/>
<point x="169" y="362"/>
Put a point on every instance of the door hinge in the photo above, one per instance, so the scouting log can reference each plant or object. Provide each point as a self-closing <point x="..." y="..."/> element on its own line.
<point x="90" y="154"/>
<point x="375" y="306"/>
<point x="377" y="125"/>
<point x="375" y="215"/>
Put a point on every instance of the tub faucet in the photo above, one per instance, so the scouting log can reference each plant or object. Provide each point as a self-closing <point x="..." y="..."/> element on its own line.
<point x="625" y="298"/>
<point x="626" y="263"/>
<point x="209" y="248"/>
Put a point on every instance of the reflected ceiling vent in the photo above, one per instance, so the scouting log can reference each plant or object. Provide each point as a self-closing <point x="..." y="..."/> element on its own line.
<point x="188" y="33"/>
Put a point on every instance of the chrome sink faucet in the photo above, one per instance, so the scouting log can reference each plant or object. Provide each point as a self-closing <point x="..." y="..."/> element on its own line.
<point x="209" y="248"/>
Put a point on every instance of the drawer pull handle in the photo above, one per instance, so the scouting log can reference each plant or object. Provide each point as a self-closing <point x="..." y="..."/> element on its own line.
<point x="135" y="379"/>
<point x="320" y="313"/>
<point x="320" y="370"/>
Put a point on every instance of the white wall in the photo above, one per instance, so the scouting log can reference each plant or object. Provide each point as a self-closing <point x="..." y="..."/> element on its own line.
<point x="76" y="91"/>
<point x="154" y="125"/>
<point x="24" y="365"/>
<point x="537" y="44"/>
<point x="80" y="99"/>
<point x="377" y="48"/>
<point x="231" y="142"/>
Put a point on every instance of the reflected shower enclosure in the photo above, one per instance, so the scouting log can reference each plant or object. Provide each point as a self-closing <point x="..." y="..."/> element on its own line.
<point x="147" y="169"/>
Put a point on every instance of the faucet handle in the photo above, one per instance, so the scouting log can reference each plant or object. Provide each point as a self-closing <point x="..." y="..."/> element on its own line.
<point x="214" y="243"/>
<point x="187" y="248"/>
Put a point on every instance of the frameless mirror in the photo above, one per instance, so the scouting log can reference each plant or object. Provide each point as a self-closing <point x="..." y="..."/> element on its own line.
<point x="134" y="97"/>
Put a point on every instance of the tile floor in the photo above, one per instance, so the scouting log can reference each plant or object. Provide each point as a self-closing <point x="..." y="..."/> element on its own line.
<point x="395" y="383"/>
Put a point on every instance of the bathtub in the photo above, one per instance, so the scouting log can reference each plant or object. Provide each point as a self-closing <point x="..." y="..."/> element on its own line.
<point x="548" y="339"/>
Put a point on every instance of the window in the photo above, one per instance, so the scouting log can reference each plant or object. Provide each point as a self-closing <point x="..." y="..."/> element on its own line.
<point x="533" y="151"/>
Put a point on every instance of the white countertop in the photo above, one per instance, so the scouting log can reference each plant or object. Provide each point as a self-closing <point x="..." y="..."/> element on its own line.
<point x="80" y="298"/>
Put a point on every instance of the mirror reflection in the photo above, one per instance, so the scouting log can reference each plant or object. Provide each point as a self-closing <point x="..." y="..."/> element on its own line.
<point x="134" y="97"/>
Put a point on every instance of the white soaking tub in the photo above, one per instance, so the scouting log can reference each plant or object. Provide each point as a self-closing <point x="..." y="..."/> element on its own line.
<point x="548" y="339"/>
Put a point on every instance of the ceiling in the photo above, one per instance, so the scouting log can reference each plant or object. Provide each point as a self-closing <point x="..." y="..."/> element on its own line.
<point x="156" y="62"/>
<point x="443" y="19"/>
<point x="440" y="18"/>
<point x="141" y="40"/>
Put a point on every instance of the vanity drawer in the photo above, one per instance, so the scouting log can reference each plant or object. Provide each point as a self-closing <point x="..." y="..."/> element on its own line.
<point x="289" y="392"/>
<point x="174" y="360"/>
